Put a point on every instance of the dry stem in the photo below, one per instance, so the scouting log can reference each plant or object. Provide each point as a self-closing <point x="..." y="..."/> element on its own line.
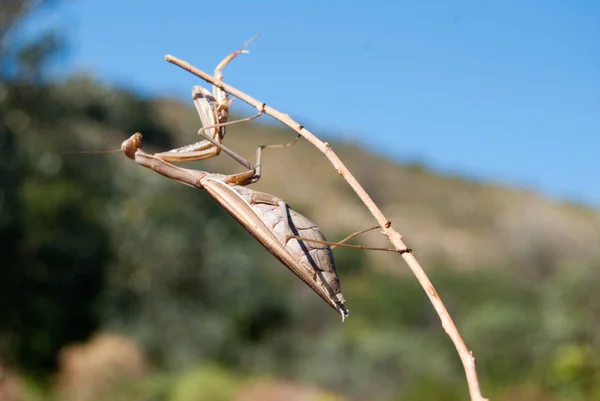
<point x="392" y="235"/>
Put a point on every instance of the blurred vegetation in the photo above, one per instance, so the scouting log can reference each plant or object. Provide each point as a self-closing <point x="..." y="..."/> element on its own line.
<point x="95" y="244"/>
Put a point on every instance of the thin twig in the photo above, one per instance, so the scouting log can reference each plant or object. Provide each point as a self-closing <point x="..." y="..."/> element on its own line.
<point x="392" y="235"/>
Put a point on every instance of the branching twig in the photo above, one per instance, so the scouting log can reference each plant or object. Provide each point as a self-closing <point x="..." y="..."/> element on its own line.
<point x="394" y="237"/>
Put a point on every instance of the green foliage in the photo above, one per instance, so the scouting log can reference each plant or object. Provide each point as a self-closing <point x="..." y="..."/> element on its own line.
<point x="207" y="383"/>
<point x="52" y="235"/>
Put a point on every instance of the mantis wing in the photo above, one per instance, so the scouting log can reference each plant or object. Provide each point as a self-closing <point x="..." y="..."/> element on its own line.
<point x="317" y="277"/>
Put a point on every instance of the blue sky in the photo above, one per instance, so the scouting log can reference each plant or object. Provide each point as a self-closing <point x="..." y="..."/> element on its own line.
<point x="507" y="91"/>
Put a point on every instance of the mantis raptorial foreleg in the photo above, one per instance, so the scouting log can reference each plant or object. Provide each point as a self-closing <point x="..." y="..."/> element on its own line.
<point x="204" y="149"/>
<point x="213" y="110"/>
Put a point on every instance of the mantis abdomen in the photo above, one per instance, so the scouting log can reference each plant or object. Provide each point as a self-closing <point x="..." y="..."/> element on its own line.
<point x="265" y="216"/>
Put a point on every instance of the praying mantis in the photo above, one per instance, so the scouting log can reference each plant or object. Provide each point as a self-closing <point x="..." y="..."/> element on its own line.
<point x="291" y="237"/>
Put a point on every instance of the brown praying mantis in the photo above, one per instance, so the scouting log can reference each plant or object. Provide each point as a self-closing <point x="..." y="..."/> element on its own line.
<point x="291" y="237"/>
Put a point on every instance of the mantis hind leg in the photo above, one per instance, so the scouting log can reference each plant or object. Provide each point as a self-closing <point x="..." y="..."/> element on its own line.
<point x="344" y="245"/>
<point x="260" y="197"/>
<point x="290" y="234"/>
